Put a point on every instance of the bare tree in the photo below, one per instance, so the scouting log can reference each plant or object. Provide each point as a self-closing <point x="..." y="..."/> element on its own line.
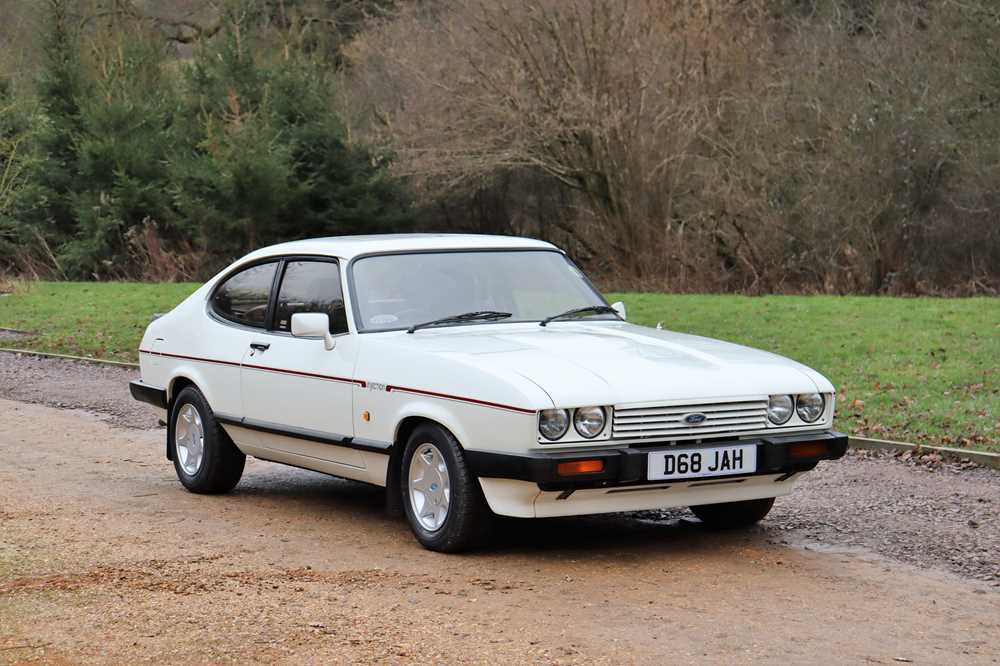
<point x="760" y="146"/>
<point x="882" y="125"/>
<point x="609" y="98"/>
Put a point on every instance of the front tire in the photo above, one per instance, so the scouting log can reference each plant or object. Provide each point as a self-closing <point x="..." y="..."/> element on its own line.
<point x="729" y="515"/>
<point x="205" y="458"/>
<point x="441" y="497"/>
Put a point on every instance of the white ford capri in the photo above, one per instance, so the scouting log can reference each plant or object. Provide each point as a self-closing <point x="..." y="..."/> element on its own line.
<point x="472" y="376"/>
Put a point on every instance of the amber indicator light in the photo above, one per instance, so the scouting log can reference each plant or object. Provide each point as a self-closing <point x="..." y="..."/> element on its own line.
<point x="580" y="467"/>
<point x="807" y="449"/>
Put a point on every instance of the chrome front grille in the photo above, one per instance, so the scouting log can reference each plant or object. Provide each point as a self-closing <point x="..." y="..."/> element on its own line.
<point x="668" y="421"/>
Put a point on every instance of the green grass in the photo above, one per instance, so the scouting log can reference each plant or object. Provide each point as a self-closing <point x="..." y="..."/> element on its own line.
<point x="102" y="320"/>
<point x="923" y="370"/>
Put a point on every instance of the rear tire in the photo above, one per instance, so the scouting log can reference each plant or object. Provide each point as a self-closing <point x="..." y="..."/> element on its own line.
<point x="205" y="458"/>
<point x="729" y="515"/>
<point x="441" y="497"/>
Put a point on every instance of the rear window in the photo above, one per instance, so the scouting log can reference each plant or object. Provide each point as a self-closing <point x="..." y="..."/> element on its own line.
<point x="243" y="297"/>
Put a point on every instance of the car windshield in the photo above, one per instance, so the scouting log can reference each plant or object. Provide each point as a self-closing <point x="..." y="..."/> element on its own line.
<point x="397" y="291"/>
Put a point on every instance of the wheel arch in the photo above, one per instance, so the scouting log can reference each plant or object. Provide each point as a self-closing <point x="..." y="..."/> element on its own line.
<point x="176" y="385"/>
<point x="425" y="410"/>
<point x="178" y="382"/>
<point x="404" y="429"/>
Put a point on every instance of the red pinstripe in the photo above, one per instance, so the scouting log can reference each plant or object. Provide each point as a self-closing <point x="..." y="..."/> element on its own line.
<point x="360" y="382"/>
<point x="474" y="401"/>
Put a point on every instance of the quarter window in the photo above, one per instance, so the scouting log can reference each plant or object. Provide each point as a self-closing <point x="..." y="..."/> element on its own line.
<point x="244" y="297"/>
<point x="311" y="286"/>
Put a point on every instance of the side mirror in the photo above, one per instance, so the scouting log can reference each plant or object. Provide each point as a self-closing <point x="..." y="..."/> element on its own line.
<point x="619" y="307"/>
<point x="313" y="325"/>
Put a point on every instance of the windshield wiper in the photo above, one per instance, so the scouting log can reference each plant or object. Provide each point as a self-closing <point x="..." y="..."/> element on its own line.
<point x="483" y="315"/>
<point x="579" y="312"/>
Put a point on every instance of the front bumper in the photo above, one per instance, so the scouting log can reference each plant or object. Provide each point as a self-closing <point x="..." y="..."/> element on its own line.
<point x="776" y="454"/>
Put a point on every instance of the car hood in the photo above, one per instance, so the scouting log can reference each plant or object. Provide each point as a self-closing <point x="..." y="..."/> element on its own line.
<point x="579" y="363"/>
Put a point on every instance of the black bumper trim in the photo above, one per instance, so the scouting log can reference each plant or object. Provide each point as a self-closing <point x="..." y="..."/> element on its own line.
<point x="148" y="394"/>
<point x="627" y="466"/>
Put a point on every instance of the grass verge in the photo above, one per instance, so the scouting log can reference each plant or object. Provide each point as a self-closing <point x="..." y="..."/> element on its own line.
<point x="922" y="370"/>
<point x="100" y="320"/>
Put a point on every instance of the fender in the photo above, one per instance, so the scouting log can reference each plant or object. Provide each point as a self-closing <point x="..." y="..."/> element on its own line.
<point x="188" y="372"/>
<point x="431" y="411"/>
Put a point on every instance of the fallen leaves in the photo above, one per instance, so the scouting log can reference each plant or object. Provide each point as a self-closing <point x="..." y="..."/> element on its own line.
<point x="934" y="460"/>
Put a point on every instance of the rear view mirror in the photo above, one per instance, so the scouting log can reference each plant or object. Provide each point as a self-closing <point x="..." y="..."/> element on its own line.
<point x="313" y="325"/>
<point x="619" y="307"/>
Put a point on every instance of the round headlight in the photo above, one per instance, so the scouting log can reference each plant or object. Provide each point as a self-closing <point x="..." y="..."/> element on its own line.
<point x="589" y="421"/>
<point x="553" y="423"/>
<point x="779" y="409"/>
<point x="809" y="406"/>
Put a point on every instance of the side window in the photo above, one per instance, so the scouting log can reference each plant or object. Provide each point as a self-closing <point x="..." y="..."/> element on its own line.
<point x="311" y="286"/>
<point x="243" y="298"/>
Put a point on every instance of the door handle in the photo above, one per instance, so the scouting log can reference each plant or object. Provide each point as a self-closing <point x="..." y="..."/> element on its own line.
<point x="260" y="346"/>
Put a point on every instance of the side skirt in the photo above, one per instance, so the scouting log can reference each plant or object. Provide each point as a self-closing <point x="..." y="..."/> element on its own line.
<point x="359" y="443"/>
<point x="374" y="454"/>
<point x="328" y="467"/>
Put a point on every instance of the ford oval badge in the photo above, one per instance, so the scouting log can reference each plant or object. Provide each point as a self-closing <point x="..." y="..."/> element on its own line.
<point x="694" y="419"/>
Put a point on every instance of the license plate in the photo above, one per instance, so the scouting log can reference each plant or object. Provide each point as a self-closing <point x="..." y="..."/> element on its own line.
<point x="700" y="463"/>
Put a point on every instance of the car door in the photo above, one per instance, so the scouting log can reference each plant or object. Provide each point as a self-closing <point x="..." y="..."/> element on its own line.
<point x="239" y="307"/>
<point x="297" y="394"/>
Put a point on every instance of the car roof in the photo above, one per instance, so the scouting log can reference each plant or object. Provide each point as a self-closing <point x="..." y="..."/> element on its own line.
<point x="348" y="247"/>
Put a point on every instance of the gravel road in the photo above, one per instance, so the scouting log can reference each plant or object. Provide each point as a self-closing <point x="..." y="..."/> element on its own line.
<point x="103" y="557"/>
<point x="94" y="387"/>
<point x="941" y="516"/>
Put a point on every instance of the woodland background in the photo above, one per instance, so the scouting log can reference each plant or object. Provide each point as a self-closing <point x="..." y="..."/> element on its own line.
<point x="835" y="146"/>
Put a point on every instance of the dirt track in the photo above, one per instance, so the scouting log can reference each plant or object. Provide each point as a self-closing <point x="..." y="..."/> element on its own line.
<point x="939" y="516"/>
<point x="105" y="558"/>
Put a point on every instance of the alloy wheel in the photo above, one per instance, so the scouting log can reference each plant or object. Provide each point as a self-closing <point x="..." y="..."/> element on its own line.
<point x="429" y="487"/>
<point x="189" y="439"/>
